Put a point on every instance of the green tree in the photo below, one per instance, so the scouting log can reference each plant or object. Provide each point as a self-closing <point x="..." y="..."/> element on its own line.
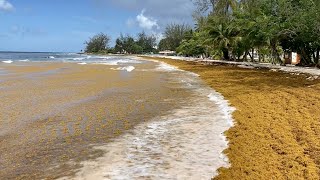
<point x="192" y="46"/>
<point x="164" y="44"/>
<point x="119" y="47"/>
<point x="223" y="35"/>
<point x="147" y="42"/>
<point x="128" y="45"/>
<point x="217" y="7"/>
<point x="97" y="43"/>
<point x="173" y="36"/>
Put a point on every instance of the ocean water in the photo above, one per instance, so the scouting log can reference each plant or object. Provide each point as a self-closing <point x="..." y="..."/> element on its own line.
<point x="108" y="117"/>
<point x="13" y="57"/>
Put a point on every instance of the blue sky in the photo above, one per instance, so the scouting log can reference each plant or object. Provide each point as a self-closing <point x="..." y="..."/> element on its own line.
<point x="64" y="25"/>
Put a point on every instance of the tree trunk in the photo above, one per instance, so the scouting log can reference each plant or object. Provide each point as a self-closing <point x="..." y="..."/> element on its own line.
<point x="225" y="52"/>
<point x="259" y="54"/>
<point x="304" y="58"/>
<point x="251" y="56"/>
<point x="317" y="60"/>
<point x="245" y="56"/>
<point x="275" y="55"/>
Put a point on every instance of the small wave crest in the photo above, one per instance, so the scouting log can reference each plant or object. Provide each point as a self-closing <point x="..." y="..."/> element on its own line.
<point x="76" y="59"/>
<point x="110" y="63"/>
<point x="128" y="68"/>
<point x="8" y="61"/>
<point x="118" y="62"/>
<point x="24" y="60"/>
<point x="166" y="67"/>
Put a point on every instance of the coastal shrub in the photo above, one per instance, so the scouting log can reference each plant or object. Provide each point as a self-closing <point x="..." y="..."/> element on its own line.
<point x="98" y="43"/>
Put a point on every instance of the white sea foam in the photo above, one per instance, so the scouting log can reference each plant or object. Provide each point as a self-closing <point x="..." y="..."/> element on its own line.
<point x="118" y="62"/>
<point x="187" y="143"/>
<point x="77" y="59"/>
<point x="193" y="74"/>
<point x="166" y="67"/>
<point x="129" y="61"/>
<point x="224" y="106"/>
<point x="110" y="63"/>
<point x="128" y="68"/>
<point x="8" y="62"/>
<point x="82" y="63"/>
<point x="51" y="57"/>
<point x="102" y="57"/>
<point x="24" y="60"/>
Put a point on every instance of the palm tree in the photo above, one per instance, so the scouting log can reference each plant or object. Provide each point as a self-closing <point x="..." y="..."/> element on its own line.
<point x="225" y="7"/>
<point x="222" y="35"/>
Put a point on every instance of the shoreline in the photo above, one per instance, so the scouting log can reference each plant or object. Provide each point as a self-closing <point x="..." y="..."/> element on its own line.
<point x="276" y="132"/>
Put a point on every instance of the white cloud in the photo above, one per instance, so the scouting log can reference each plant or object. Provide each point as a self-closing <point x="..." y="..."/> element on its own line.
<point x="145" y="22"/>
<point x="5" y="6"/>
<point x="164" y="11"/>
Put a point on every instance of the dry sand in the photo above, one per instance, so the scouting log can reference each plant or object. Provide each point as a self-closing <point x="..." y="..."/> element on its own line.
<point x="277" y="131"/>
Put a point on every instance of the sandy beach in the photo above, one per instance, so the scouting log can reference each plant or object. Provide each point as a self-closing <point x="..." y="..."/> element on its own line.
<point x="277" y="125"/>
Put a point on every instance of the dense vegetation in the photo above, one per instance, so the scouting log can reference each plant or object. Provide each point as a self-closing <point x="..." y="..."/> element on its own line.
<point x="173" y="36"/>
<point x="124" y="44"/>
<point x="142" y="44"/>
<point x="234" y="29"/>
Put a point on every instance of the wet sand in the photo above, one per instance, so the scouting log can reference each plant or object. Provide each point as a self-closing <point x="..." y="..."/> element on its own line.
<point x="277" y="126"/>
<point x="53" y="113"/>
